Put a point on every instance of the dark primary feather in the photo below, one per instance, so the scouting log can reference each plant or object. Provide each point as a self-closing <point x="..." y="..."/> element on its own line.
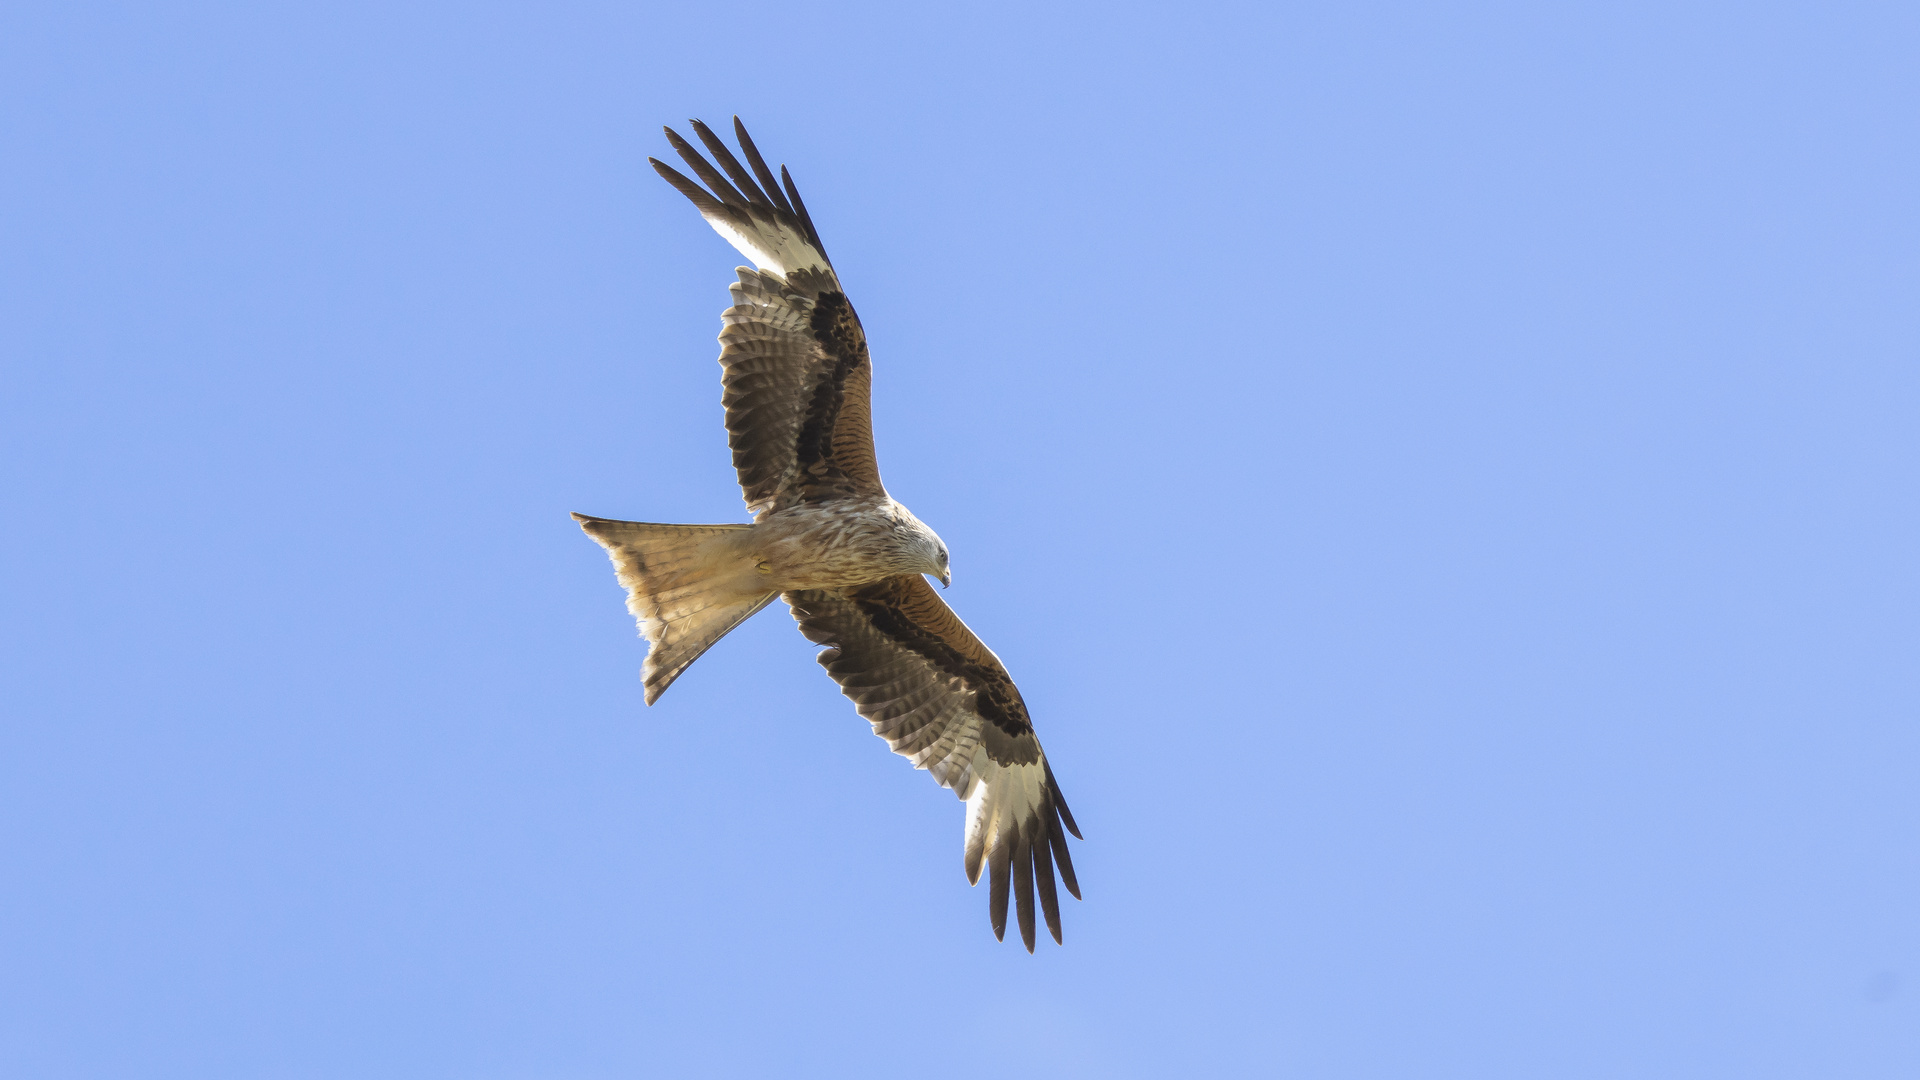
<point x="806" y="219"/>
<point x="754" y="195"/>
<point x="727" y="161"/>
<point x="760" y="166"/>
<point x="707" y="173"/>
<point x="708" y="205"/>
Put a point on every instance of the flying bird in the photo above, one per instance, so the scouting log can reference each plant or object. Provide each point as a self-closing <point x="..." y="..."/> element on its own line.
<point x="850" y="561"/>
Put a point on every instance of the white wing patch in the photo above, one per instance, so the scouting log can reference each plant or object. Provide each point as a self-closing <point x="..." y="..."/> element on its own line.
<point x="772" y="246"/>
<point x="1001" y="800"/>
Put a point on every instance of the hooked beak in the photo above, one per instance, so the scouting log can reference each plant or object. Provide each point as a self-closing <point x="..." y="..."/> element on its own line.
<point x="946" y="578"/>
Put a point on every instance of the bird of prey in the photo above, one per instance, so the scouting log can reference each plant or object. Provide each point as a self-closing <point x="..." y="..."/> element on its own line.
<point x="826" y="538"/>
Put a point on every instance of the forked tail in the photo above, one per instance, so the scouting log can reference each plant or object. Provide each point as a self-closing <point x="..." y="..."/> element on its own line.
<point x="686" y="584"/>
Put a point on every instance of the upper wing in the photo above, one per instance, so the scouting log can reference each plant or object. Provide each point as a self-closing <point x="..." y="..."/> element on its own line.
<point x="942" y="700"/>
<point x="793" y="357"/>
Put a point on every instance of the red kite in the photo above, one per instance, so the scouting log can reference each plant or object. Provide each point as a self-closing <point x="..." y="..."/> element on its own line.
<point x="828" y="540"/>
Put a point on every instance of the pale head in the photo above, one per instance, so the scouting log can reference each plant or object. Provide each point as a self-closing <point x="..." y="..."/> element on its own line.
<point x="924" y="551"/>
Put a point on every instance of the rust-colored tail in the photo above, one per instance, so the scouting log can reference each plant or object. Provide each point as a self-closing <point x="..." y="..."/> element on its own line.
<point x="686" y="584"/>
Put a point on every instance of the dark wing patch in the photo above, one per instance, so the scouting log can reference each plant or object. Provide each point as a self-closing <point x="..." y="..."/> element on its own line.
<point x="942" y="700"/>
<point x="835" y="449"/>
<point x="911" y="614"/>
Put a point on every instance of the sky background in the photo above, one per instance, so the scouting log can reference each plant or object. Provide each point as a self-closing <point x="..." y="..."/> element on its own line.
<point x="1445" y="478"/>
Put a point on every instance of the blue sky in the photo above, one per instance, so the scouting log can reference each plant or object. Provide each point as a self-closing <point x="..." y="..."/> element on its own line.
<point x="1444" y="478"/>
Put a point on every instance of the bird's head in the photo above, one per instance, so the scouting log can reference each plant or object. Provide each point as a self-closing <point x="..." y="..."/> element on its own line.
<point x="926" y="552"/>
<point x="946" y="570"/>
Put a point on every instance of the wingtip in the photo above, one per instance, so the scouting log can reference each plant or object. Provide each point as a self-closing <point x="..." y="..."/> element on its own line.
<point x="765" y="175"/>
<point x="677" y="141"/>
<point x="1060" y="804"/>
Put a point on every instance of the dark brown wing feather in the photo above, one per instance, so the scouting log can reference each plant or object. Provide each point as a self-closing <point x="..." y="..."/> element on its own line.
<point x="797" y="381"/>
<point x="943" y="700"/>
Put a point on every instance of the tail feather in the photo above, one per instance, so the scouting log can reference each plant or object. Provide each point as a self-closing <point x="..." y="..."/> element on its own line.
<point x="687" y="585"/>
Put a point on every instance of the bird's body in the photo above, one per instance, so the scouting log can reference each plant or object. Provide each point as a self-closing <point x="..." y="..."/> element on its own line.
<point x="840" y="543"/>
<point x="827" y="538"/>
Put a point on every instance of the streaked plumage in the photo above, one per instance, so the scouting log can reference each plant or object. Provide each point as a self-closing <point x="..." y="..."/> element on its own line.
<point x="828" y="540"/>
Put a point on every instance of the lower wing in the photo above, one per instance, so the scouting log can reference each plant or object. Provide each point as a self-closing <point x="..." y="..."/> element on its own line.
<point x="942" y="700"/>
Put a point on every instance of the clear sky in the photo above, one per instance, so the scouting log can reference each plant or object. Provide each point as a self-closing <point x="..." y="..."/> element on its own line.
<point x="1445" y="478"/>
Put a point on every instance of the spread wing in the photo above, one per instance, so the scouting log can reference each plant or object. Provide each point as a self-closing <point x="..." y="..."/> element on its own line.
<point x="797" y="382"/>
<point x="942" y="700"/>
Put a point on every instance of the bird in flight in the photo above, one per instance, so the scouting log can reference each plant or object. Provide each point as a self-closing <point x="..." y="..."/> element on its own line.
<point x="850" y="562"/>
